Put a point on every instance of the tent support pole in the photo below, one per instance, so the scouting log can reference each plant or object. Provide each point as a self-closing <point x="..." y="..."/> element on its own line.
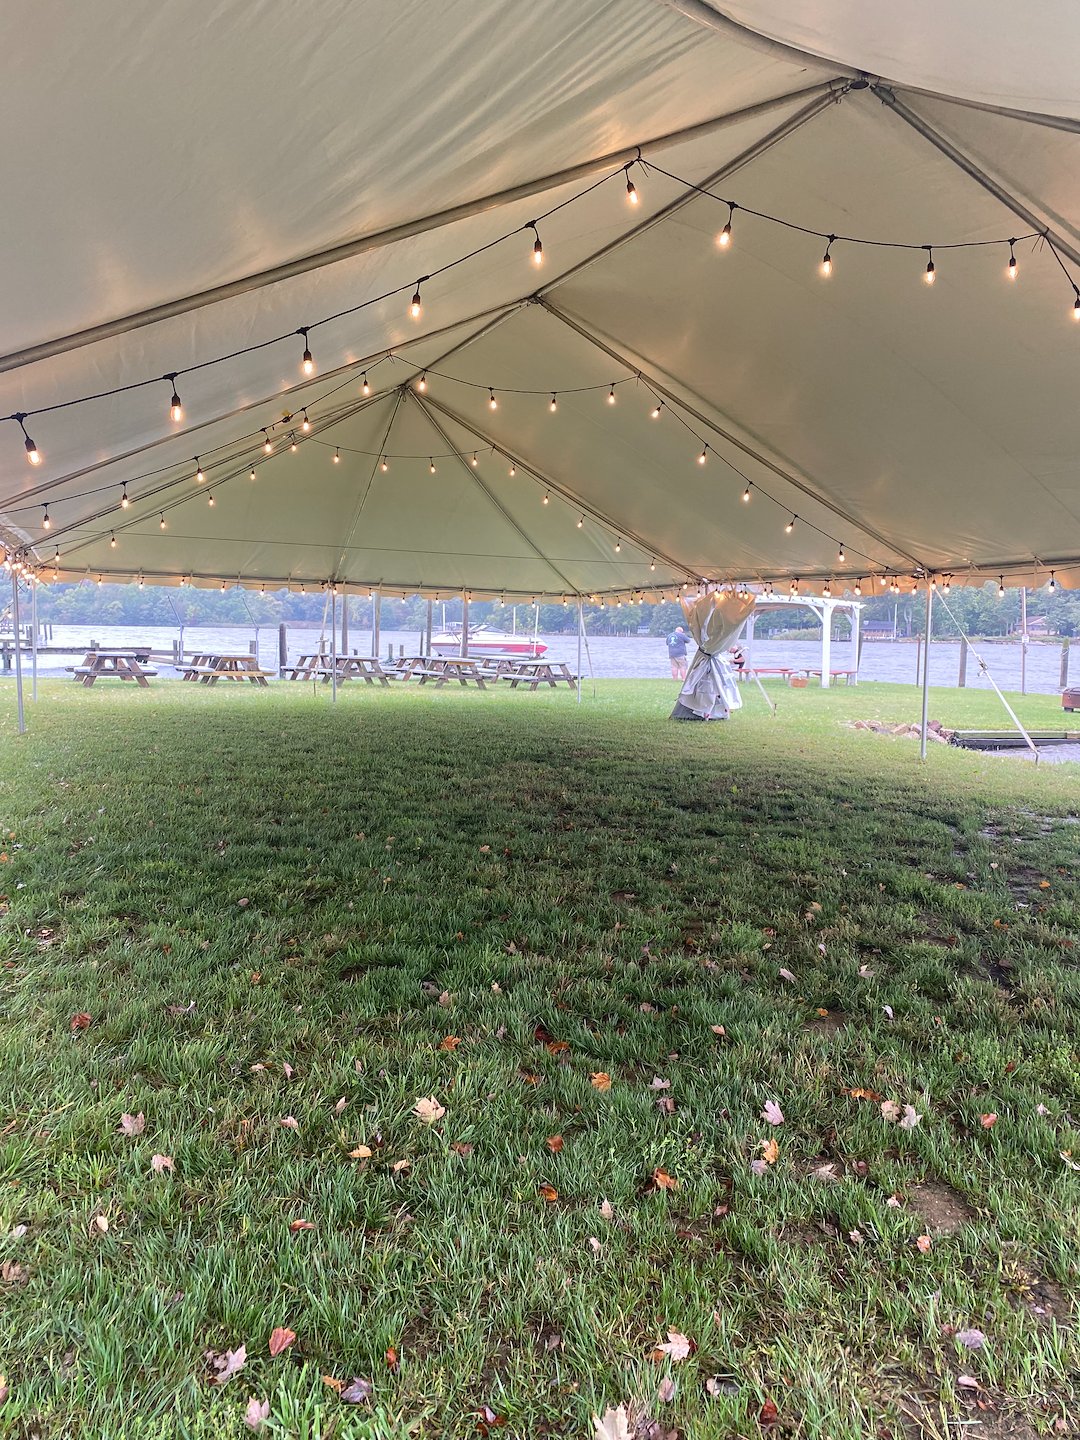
<point x="959" y="159"/>
<point x="826" y="643"/>
<point x="333" y="643"/>
<point x="302" y="265"/>
<point x="926" y="671"/>
<point x="802" y="486"/>
<point x="33" y="641"/>
<point x="18" y="650"/>
<point x="580" y="632"/>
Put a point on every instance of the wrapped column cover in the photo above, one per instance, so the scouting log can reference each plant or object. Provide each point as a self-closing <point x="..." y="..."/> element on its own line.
<point x="710" y="690"/>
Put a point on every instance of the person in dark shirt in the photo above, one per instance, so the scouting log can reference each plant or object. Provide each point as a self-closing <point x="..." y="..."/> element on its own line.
<point x="738" y="659"/>
<point x="677" y="642"/>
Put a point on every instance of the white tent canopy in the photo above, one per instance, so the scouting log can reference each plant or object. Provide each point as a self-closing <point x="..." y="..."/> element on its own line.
<point x="193" y="184"/>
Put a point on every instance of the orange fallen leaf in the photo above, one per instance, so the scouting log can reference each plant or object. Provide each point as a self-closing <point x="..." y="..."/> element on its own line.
<point x="549" y="1193"/>
<point x="362" y="1152"/>
<point x="923" y="1242"/>
<point x="296" y="1225"/>
<point x="81" y="1020"/>
<point x="663" y="1181"/>
<point x="281" y="1339"/>
<point x="768" y="1415"/>
<point x="861" y="1093"/>
<point x="1044" y="884"/>
<point x="462" y="1147"/>
<point x="554" y="1143"/>
<point x="600" y="1080"/>
<point x="770" y="1151"/>
<point x="391" y="1359"/>
<point x="988" y="1121"/>
<point x="450" y="1042"/>
<point x="333" y="1384"/>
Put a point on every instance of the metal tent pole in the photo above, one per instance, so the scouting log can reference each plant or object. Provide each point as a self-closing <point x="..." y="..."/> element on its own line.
<point x="33" y="641"/>
<point x="580" y="632"/>
<point x="926" y="671"/>
<point x="826" y="643"/>
<point x="464" y="646"/>
<point x="18" y="650"/>
<point x="333" y="643"/>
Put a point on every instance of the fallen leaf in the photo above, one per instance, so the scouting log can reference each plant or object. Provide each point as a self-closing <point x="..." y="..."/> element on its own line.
<point x="357" y="1391"/>
<point x="280" y="1339"/>
<point x="446" y="999"/>
<point x="768" y="1414"/>
<point x="548" y="1193"/>
<point x="772" y="1113"/>
<point x="362" y="1152"/>
<point x="910" y="1118"/>
<point x="770" y="1151"/>
<point x="160" y="1163"/>
<point x="988" y="1121"/>
<point x="786" y="975"/>
<point x="665" y="1391"/>
<point x="340" y="1106"/>
<point x="888" y="1011"/>
<point x="758" y="1167"/>
<point x="295" y="1226"/>
<point x="450" y="1042"/>
<point x="226" y="1363"/>
<point x="612" y="1425"/>
<point x="866" y="972"/>
<point x="4" y="1390"/>
<point x="607" y="1210"/>
<point x="392" y="1359"/>
<point x="676" y="1347"/>
<point x="663" y="1181"/>
<point x="970" y="1339"/>
<point x="287" y="1070"/>
<point x="554" y="1143"/>
<point x="334" y="1384"/>
<point x="595" y="1245"/>
<point x="600" y="1080"/>
<point x="860" y="1092"/>
<point x="100" y="1223"/>
<point x="12" y="1273"/>
<point x="290" y="1122"/>
<point x="718" y="1029"/>
<point x="462" y="1147"/>
<point x="80" y="1021"/>
<point x="488" y="1420"/>
<point x="428" y="1110"/>
<point x="132" y="1125"/>
<point x="657" y="1083"/>
<point x="17" y="1232"/>
<point x="890" y="1110"/>
<point x="968" y="1382"/>
<point x="923" y="1242"/>
<point x="256" y="1414"/>
<point x="400" y="1165"/>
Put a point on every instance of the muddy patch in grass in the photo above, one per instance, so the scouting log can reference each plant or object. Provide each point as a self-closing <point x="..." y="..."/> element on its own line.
<point x="941" y="1209"/>
<point x="829" y="1024"/>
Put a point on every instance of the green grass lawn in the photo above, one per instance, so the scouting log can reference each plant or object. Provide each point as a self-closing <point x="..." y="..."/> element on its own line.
<point x="223" y="910"/>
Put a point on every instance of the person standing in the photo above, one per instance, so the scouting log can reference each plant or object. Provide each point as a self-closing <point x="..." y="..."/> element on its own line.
<point x="677" y="643"/>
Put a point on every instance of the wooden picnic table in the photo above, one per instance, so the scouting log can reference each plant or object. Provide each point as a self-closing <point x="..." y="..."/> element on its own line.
<point x="540" y="672"/>
<point x="466" y="669"/>
<point x="306" y="666"/>
<point x="356" y="667"/>
<point x="845" y="675"/>
<point x="209" y="666"/>
<point x="125" y="664"/>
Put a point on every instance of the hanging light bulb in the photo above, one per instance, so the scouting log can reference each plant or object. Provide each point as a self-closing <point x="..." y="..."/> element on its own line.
<point x="140" y="582"/>
<point x="858" y="586"/>
<point x="337" y="455"/>
<point x="176" y="410"/>
<point x="474" y="462"/>
<point x="1052" y="582"/>
<point x="655" y="412"/>
<point x="493" y="404"/>
<point x="33" y="454"/>
<point x="746" y="492"/>
<point x="826" y="259"/>
<point x="554" y="404"/>
<point x="790" y="526"/>
<point x="931" y="274"/>
<point x="251" y="473"/>
<point x="826" y="590"/>
<point x="581" y="522"/>
<point x="365" y="388"/>
<point x="416" y="308"/>
<point x="703" y="456"/>
<point x="384" y="465"/>
<point x="611" y="394"/>
<point x="840" y="556"/>
<point x="124" y="501"/>
<point x="292" y="444"/>
<point x="794" y="587"/>
<point x="1001" y="587"/>
<point x="268" y="444"/>
<point x="618" y="545"/>
<point x="652" y="563"/>
<point x="223" y="587"/>
<point x="99" y="579"/>
<point x="547" y="498"/>
<point x="1076" y="307"/>
<point x="538" y="249"/>
<point x="199" y="476"/>
<point x="1010" y="269"/>
<point x="724" y="238"/>
<point x="632" y="196"/>
<point x="161" y="522"/>
<point x="307" y="364"/>
<point x="210" y="499"/>
<point x="112" y="541"/>
<point x="305" y="424"/>
<point x="421" y="384"/>
<point x="431" y="465"/>
<point x="914" y="585"/>
<point x="46" y="523"/>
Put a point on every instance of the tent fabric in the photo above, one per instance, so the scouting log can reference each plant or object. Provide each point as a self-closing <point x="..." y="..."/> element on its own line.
<point x="916" y="431"/>
<point x="710" y="690"/>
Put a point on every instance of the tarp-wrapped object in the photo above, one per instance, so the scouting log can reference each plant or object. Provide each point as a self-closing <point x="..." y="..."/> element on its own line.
<point x="710" y="690"/>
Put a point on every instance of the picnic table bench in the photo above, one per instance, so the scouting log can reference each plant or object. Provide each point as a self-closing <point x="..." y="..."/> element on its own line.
<point x="467" y="670"/>
<point x="540" y="672"/>
<point x="845" y="675"/>
<point x="124" y="664"/>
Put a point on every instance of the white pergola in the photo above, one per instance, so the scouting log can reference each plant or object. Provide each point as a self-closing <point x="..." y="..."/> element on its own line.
<point x="824" y="608"/>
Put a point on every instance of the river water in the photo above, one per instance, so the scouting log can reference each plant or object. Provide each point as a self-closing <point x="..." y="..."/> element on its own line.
<point x="606" y="656"/>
